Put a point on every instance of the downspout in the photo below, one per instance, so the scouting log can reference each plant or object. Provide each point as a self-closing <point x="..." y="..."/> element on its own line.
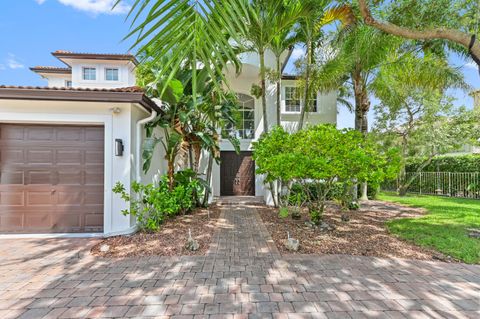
<point x="140" y="123"/>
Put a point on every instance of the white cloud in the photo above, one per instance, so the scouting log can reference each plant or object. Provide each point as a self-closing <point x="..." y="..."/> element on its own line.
<point x="471" y="65"/>
<point x="2" y="67"/>
<point x="297" y="53"/>
<point x="94" y="6"/>
<point x="97" y="6"/>
<point x="13" y="63"/>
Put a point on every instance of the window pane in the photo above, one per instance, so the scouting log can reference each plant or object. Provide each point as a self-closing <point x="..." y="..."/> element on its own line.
<point x="89" y="74"/>
<point x="111" y="74"/>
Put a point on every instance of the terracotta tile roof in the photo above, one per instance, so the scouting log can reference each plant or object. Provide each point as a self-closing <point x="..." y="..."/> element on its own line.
<point x="132" y="94"/>
<point x="130" y="89"/>
<point x="50" y="69"/>
<point x="87" y="55"/>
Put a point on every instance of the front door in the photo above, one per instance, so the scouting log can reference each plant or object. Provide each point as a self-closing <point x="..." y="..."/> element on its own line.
<point x="237" y="174"/>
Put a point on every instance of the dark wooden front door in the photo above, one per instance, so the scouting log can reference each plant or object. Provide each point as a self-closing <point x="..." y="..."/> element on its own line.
<point x="237" y="174"/>
<point x="51" y="178"/>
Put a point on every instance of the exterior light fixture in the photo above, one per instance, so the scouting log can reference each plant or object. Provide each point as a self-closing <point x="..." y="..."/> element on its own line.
<point x="118" y="147"/>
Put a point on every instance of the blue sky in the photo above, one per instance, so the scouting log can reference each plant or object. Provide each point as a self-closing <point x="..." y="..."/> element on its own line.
<point x="34" y="28"/>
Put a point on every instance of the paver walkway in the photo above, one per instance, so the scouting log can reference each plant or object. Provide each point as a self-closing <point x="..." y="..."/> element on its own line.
<point x="242" y="276"/>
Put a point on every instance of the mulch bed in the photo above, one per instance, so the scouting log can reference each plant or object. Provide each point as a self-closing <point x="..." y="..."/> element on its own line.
<point x="168" y="241"/>
<point x="365" y="234"/>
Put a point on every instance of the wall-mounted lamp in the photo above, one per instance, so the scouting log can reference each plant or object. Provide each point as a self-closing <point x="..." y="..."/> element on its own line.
<point x="118" y="147"/>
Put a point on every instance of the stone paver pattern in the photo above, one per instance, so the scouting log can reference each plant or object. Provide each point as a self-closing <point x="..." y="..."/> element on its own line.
<point x="242" y="276"/>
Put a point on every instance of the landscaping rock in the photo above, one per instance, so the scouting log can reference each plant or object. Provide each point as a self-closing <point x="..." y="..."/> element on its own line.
<point x="104" y="248"/>
<point x="292" y="244"/>
<point x="311" y="225"/>
<point x="191" y="244"/>
<point x="474" y="233"/>
<point x="345" y="218"/>
<point x="326" y="226"/>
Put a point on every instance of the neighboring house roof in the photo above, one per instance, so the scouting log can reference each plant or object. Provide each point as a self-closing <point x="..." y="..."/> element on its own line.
<point x="60" y="54"/>
<point x="290" y="77"/>
<point x="51" y="69"/>
<point x="133" y="94"/>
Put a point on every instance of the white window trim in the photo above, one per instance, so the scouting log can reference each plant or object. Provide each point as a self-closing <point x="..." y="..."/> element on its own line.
<point x="284" y="104"/>
<point x="111" y="68"/>
<point x="89" y="67"/>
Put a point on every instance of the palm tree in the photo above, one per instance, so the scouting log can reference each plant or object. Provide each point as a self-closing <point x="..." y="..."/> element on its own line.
<point x="309" y="32"/>
<point x="284" y="38"/>
<point x="189" y="32"/>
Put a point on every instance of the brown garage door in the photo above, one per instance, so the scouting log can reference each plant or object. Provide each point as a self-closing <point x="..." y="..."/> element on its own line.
<point x="51" y="178"/>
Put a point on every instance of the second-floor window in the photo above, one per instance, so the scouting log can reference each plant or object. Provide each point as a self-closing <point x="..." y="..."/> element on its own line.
<point x="293" y="101"/>
<point x="89" y="74"/>
<point x="111" y="74"/>
<point x="68" y="84"/>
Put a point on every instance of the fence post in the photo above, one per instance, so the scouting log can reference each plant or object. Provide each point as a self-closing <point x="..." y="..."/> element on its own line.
<point x="420" y="184"/>
<point x="450" y="184"/>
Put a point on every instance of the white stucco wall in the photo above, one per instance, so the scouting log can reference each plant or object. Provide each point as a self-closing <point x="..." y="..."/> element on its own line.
<point x="126" y="74"/>
<point x="116" y="126"/>
<point x="326" y="113"/>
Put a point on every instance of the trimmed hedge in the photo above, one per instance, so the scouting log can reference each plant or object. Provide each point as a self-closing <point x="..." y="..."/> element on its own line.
<point x="460" y="163"/>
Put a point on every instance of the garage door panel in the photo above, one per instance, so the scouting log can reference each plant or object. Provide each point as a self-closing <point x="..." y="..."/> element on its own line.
<point x="11" y="177"/>
<point x="70" y="178"/>
<point x="44" y="157"/>
<point x="40" y="177"/>
<point x="40" y="133"/>
<point x="12" y="133"/>
<point x="94" y="157"/>
<point x="11" y="198"/>
<point x="70" y="134"/>
<point x="51" y="178"/>
<point x="13" y="156"/>
<point x="69" y="157"/>
<point x="94" y="198"/>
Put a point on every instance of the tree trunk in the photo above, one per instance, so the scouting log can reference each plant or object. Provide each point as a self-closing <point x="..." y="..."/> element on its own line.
<point x="170" y="174"/>
<point x="263" y="89"/>
<point x="306" y="90"/>
<point x="279" y="87"/>
<point x="362" y="106"/>
<point x="209" y="180"/>
<point x="466" y="40"/>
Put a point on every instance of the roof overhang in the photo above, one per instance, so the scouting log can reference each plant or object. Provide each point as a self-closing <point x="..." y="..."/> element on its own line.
<point x="83" y="95"/>
<point x="51" y="70"/>
<point x="64" y="56"/>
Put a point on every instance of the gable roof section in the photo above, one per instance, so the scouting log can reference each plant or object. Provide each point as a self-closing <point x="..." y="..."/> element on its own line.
<point x="51" y="70"/>
<point x="131" y="94"/>
<point x="61" y="54"/>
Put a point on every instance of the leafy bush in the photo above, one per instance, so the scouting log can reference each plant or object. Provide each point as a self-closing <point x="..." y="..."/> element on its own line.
<point x="317" y="159"/>
<point x="152" y="203"/>
<point x="460" y="163"/>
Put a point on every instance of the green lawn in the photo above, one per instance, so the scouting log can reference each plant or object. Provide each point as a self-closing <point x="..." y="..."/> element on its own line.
<point x="443" y="228"/>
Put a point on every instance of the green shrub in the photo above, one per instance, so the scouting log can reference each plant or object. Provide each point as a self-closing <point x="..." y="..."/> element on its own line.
<point x="460" y="163"/>
<point x="297" y="191"/>
<point x="283" y="212"/>
<point x="152" y="203"/>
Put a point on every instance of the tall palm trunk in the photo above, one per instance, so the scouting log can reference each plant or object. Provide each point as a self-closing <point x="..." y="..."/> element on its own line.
<point x="209" y="180"/>
<point x="362" y="105"/>
<point x="306" y="90"/>
<point x="263" y="89"/>
<point x="279" y="87"/>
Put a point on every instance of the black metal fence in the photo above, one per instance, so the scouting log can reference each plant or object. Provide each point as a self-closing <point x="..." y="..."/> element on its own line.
<point x="465" y="185"/>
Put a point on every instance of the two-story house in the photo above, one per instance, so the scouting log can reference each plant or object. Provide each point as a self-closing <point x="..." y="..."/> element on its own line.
<point x="65" y="145"/>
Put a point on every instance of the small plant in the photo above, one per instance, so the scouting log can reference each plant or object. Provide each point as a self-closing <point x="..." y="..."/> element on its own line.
<point x="283" y="212"/>
<point x="152" y="203"/>
<point x="315" y="215"/>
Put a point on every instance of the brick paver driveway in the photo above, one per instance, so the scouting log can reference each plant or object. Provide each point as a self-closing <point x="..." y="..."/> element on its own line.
<point x="242" y="276"/>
